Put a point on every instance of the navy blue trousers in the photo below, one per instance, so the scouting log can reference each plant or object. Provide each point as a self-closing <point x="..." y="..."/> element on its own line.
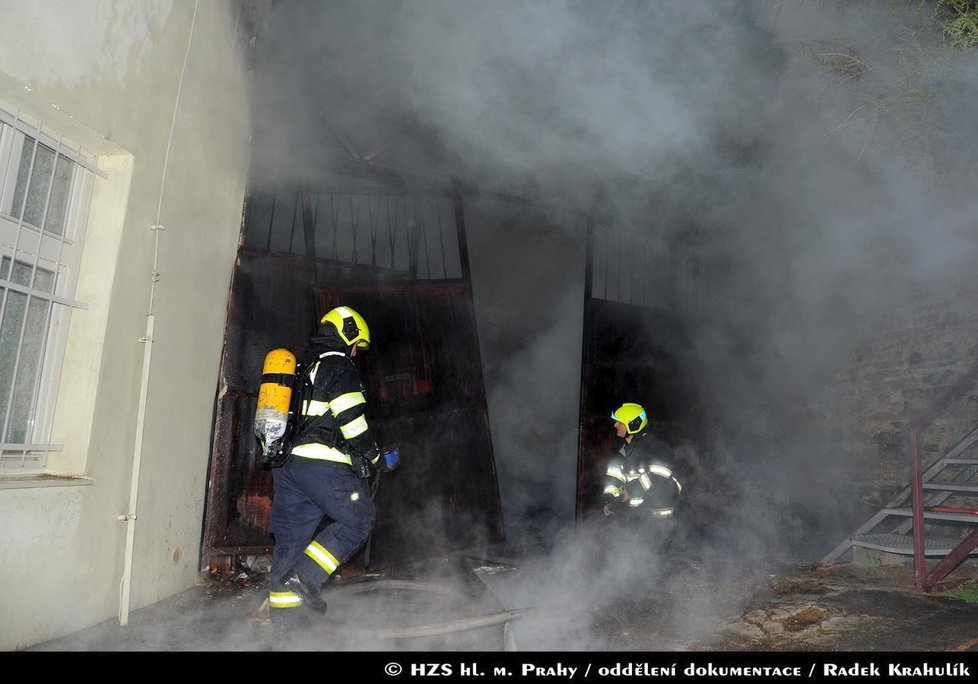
<point x="305" y="491"/>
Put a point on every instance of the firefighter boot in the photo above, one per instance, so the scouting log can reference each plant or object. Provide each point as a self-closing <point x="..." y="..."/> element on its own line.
<point x="306" y="591"/>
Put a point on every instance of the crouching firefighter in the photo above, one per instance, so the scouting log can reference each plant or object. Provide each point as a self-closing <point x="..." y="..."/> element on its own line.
<point x="639" y="480"/>
<point x="324" y="472"/>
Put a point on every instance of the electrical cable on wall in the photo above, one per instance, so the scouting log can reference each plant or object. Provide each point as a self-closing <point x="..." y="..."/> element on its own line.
<point x="157" y="228"/>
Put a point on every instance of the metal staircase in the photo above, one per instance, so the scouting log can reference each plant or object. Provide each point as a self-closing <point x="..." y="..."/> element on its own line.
<point x="950" y="504"/>
<point x="939" y="508"/>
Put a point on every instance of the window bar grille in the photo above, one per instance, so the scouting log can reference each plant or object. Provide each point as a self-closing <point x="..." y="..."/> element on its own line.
<point x="6" y="292"/>
<point x="13" y="255"/>
<point x="62" y="236"/>
<point x="40" y="286"/>
<point x="35" y="391"/>
<point x="6" y="133"/>
<point x="57" y="276"/>
<point x="17" y="123"/>
<point x="31" y="409"/>
<point x="32" y="406"/>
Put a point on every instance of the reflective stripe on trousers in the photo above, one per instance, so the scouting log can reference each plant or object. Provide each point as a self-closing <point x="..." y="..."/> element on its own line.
<point x="305" y="491"/>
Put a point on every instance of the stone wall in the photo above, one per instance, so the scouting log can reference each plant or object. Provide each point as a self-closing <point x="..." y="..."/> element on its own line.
<point x="912" y="361"/>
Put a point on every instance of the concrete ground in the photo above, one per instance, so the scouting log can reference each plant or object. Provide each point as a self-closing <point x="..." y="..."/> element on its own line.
<point x="491" y="604"/>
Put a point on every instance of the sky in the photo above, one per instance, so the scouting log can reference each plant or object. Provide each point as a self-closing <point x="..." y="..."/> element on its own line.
<point x="823" y="149"/>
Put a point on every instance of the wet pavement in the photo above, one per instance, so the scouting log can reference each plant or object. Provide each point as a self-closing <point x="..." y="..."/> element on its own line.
<point x="470" y="603"/>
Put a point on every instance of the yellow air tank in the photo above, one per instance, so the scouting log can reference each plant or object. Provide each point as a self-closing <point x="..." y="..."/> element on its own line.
<point x="274" y="396"/>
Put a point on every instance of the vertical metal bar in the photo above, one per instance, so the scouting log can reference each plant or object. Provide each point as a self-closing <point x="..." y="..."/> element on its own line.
<point x="648" y="272"/>
<point x="391" y="229"/>
<point x="309" y="233"/>
<point x="295" y="211"/>
<point x="631" y="268"/>
<point x="413" y="235"/>
<point x="586" y="353"/>
<point x="35" y="391"/>
<point x="3" y="307"/>
<point x="917" y="508"/>
<point x="441" y="238"/>
<point x="424" y="237"/>
<point x="621" y="246"/>
<point x="463" y="248"/>
<point x="70" y="190"/>
<point x="271" y="219"/>
<point x="315" y="218"/>
<point x="407" y="236"/>
<point x="334" y="215"/>
<point x="5" y="132"/>
<point x="44" y="214"/>
<point x="32" y="406"/>
<point x="30" y="178"/>
<point x="13" y="264"/>
<point x="354" y="221"/>
<point x="372" y="219"/>
<point x="607" y="265"/>
<point x="8" y="133"/>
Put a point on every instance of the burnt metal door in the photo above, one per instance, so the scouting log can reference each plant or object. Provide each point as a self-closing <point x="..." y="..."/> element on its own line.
<point x="631" y="331"/>
<point x="400" y="261"/>
<point x="425" y="392"/>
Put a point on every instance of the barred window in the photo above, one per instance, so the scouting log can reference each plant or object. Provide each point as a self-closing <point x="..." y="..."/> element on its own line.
<point x="45" y="191"/>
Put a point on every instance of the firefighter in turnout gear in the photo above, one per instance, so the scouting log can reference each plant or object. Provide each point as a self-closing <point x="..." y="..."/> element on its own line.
<point x="639" y="478"/>
<point x="326" y="474"/>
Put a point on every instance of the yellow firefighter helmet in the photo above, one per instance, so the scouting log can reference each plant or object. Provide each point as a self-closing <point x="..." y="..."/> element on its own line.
<point x="350" y="325"/>
<point x="632" y="416"/>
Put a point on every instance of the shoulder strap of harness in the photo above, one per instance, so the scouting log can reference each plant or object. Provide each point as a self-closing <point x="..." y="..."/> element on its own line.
<point x="309" y="425"/>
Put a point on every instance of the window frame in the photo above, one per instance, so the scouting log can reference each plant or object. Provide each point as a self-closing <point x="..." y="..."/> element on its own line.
<point x="61" y="253"/>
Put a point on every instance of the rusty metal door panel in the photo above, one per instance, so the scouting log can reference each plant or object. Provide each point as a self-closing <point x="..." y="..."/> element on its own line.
<point x="443" y="497"/>
<point x="270" y="306"/>
<point x="423" y="381"/>
<point x="631" y="293"/>
<point x="424" y="346"/>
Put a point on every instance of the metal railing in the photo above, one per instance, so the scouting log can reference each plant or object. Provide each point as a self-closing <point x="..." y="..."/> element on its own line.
<point x="923" y="579"/>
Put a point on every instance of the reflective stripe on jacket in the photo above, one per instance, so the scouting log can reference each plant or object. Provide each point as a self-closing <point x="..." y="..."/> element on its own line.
<point x="337" y="394"/>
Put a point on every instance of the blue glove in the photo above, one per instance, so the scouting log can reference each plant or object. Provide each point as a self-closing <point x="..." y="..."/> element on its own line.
<point x="390" y="458"/>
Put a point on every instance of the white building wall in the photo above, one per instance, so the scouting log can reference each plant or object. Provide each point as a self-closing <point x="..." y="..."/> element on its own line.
<point x="157" y="88"/>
